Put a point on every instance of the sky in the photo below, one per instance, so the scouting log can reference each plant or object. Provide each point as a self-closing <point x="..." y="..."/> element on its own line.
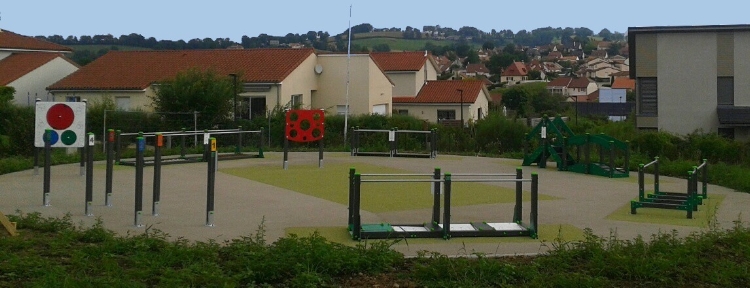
<point x="188" y="19"/>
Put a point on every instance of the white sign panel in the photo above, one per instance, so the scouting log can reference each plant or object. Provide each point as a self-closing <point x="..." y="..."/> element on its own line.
<point x="66" y="120"/>
<point x="544" y="132"/>
<point x="91" y="140"/>
<point x="205" y="138"/>
<point x="391" y="136"/>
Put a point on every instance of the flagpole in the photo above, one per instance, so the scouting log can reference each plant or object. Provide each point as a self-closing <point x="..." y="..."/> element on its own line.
<point x="348" y="60"/>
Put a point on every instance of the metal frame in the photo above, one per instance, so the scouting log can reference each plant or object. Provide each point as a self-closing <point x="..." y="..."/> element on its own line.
<point x="446" y="229"/>
<point x="393" y="145"/>
<point x="688" y="201"/>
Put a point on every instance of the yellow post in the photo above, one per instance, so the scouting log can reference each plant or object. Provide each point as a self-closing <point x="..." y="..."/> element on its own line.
<point x="9" y="226"/>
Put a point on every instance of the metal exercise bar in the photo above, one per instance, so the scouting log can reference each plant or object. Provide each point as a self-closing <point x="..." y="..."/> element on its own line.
<point x="406" y="175"/>
<point x="371" y="130"/>
<point x="456" y="180"/>
<point x="172" y="133"/>
<point x="413" y="131"/>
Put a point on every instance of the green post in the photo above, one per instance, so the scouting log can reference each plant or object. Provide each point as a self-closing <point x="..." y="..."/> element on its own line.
<point x="656" y="175"/>
<point x="704" y="176"/>
<point x="260" y="144"/>
<point x="641" y="188"/>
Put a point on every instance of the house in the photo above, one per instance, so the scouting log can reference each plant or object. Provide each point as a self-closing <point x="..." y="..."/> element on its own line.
<point x="623" y="83"/>
<point x="473" y="70"/>
<point x="599" y="53"/>
<point x="602" y="74"/>
<point x="408" y="70"/>
<point x="577" y="88"/>
<point x="690" y="78"/>
<point x="515" y="73"/>
<point x="446" y="100"/>
<point x="268" y="77"/>
<point x="603" y="45"/>
<point x="29" y="65"/>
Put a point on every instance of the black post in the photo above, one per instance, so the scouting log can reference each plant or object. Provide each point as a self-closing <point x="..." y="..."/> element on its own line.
<point x="118" y="146"/>
<point x="462" y="106"/>
<point x="286" y="152"/>
<point x="351" y="199"/>
<point x="238" y="149"/>
<point x="89" y="145"/>
<point x="211" y="183"/>
<point x="436" y="197"/>
<point x="141" y="145"/>
<point x="182" y="144"/>
<point x="691" y="197"/>
<point x="392" y="141"/>
<point x="110" y="169"/>
<point x="82" y="160"/>
<point x="395" y="142"/>
<point x="518" y="211"/>
<point x="704" y="177"/>
<point x="47" y="166"/>
<point x="260" y="144"/>
<point x="157" y="175"/>
<point x="206" y="149"/>
<point x="447" y="208"/>
<point x="433" y="142"/>
<point x="534" y="221"/>
<point x="656" y="175"/>
<point x="320" y="153"/>
<point x="357" y="229"/>
<point x="641" y="184"/>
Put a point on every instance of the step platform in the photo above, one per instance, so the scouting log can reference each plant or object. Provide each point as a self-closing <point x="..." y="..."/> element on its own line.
<point x="473" y="229"/>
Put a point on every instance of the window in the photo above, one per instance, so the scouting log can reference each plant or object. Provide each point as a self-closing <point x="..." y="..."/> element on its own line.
<point x="402" y="112"/>
<point x="647" y="96"/>
<point x="251" y="107"/>
<point x="446" y="114"/>
<point x="296" y="100"/>
<point x="123" y="103"/>
<point x="725" y="90"/>
<point x="479" y="113"/>
<point x="72" y="99"/>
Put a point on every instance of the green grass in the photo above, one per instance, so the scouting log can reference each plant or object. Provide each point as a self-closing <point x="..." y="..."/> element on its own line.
<point x="376" y="197"/>
<point x="547" y="232"/>
<point x="701" y="218"/>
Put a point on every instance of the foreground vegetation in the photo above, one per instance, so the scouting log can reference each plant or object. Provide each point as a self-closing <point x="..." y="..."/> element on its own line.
<point x="54" y="252"/>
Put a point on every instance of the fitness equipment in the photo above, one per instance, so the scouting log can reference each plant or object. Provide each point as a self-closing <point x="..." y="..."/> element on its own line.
<point x="554" y="138"/>
<point x="672" y="200"/>
<point x="393" y="137"/>
<point x="238" y="154"/>
<point x="447" y="229"/>
<point x="304" y="126"/>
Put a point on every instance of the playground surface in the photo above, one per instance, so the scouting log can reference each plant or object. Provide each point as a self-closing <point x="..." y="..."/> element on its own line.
<point x="305" y="198"/>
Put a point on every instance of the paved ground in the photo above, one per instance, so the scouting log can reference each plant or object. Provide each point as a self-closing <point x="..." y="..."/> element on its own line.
<point x="242" y="204"/>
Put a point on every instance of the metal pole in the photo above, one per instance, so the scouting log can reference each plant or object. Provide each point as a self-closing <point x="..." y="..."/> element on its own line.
<point x="157" y="175"/>
<point x="118" y="139"/>
<point x="320" y="153"/>
<point x="641" y="184"/>
<point x="139" y="181"/>
<point x="462" y="106"/>
<point x="110" y="143"/>
<point x="238" y="149"/>
<point x="357" y="229"/>
<point x="286" y="152"/>
<point x="89" y="173"/>
<point x="182" y="143"/>
<point x="82" y="161"/>
<point x="211" y="184"/>
<point x="534" y="204"/>
<point x="656" y="175"/>
<point x="436" y="197"/>
<point x="260" y="143"/>
<point x="351" y="199"/>
<point x="518" y="211"/>
<point x="704" y="176"/>
<point x="691" y="197"/>
<point x="47" y="166"/>
<point x="447" y="208"/>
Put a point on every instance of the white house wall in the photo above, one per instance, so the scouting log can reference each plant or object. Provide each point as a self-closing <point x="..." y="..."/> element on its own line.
<point x="405" y="83"/>
<point x="380" y="88"/>
<point x="741" y="69"/>
<point x="301" y="81"/>
<point x="34" y="84"/>
<point x="332" y="83"/>
<point x="687" y="89"/>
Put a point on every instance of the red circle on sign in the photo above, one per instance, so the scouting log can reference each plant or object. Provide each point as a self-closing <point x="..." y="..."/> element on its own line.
<point x="60" y="116"/>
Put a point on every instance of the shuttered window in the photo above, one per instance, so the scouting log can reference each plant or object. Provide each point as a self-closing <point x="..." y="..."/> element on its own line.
<point x="647" y="96"/>
<point x="725" y="90"/>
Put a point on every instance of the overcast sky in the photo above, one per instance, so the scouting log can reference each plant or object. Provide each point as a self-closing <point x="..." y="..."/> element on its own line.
<point x="175" y="20"/>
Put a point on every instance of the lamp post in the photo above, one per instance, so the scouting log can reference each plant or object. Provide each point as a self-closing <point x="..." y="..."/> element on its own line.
<point x="461" y="91"/>
<point x="234" y="90"/>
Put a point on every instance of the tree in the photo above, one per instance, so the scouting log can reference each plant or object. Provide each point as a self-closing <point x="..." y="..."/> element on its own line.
<point x="488" y="45"/>
<point x="606" y="34"/>
<point x="472" y="57"/>
<point x="516" y="98"/>
<point x="535" y="75"/>
<point x="6" y="95"/>
<point x="510" y="48"/>
<point x="204" y="91"/>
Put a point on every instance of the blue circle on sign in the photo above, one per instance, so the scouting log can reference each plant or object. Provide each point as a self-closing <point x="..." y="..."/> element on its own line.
<point x="53" y="137"/>
<point x="141" y="144"/>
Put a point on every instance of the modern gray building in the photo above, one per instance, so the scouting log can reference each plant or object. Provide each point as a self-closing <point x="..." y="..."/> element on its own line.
<point x="692" y="78"/>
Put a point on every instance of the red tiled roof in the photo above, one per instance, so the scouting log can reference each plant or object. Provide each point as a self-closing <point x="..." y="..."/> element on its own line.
<point x="136" y="70"/>
<point x="18" y="64"/>
<point x="477" y="68"/>
<point x="516" y="69"/>
<point x="445" y="91"/>
<point x="10" y="40"/>
<point x="569" y="82"/>
<point x="400" y="61"/>
<point x="623" y="83"/>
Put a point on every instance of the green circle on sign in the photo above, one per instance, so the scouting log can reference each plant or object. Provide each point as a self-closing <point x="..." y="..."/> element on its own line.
<point x="68" y="137"/>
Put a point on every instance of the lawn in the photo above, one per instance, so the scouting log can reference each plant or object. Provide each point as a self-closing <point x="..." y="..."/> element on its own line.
<point x="331" y="183"/>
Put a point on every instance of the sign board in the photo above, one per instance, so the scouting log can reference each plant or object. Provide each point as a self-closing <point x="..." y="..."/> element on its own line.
<point x="205" y="138"/>
<point x="391" y="136"/>
<point x="213" y="144"/>
<point x="544" y="132"/>
<point x="91" y="140"/>
<point x="159" y="140"/>
<point x="67" y="120"/>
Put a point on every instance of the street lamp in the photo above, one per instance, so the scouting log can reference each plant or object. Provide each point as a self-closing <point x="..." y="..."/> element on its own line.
<point x="461" y="91"/>
<point x="234" y="90"/>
